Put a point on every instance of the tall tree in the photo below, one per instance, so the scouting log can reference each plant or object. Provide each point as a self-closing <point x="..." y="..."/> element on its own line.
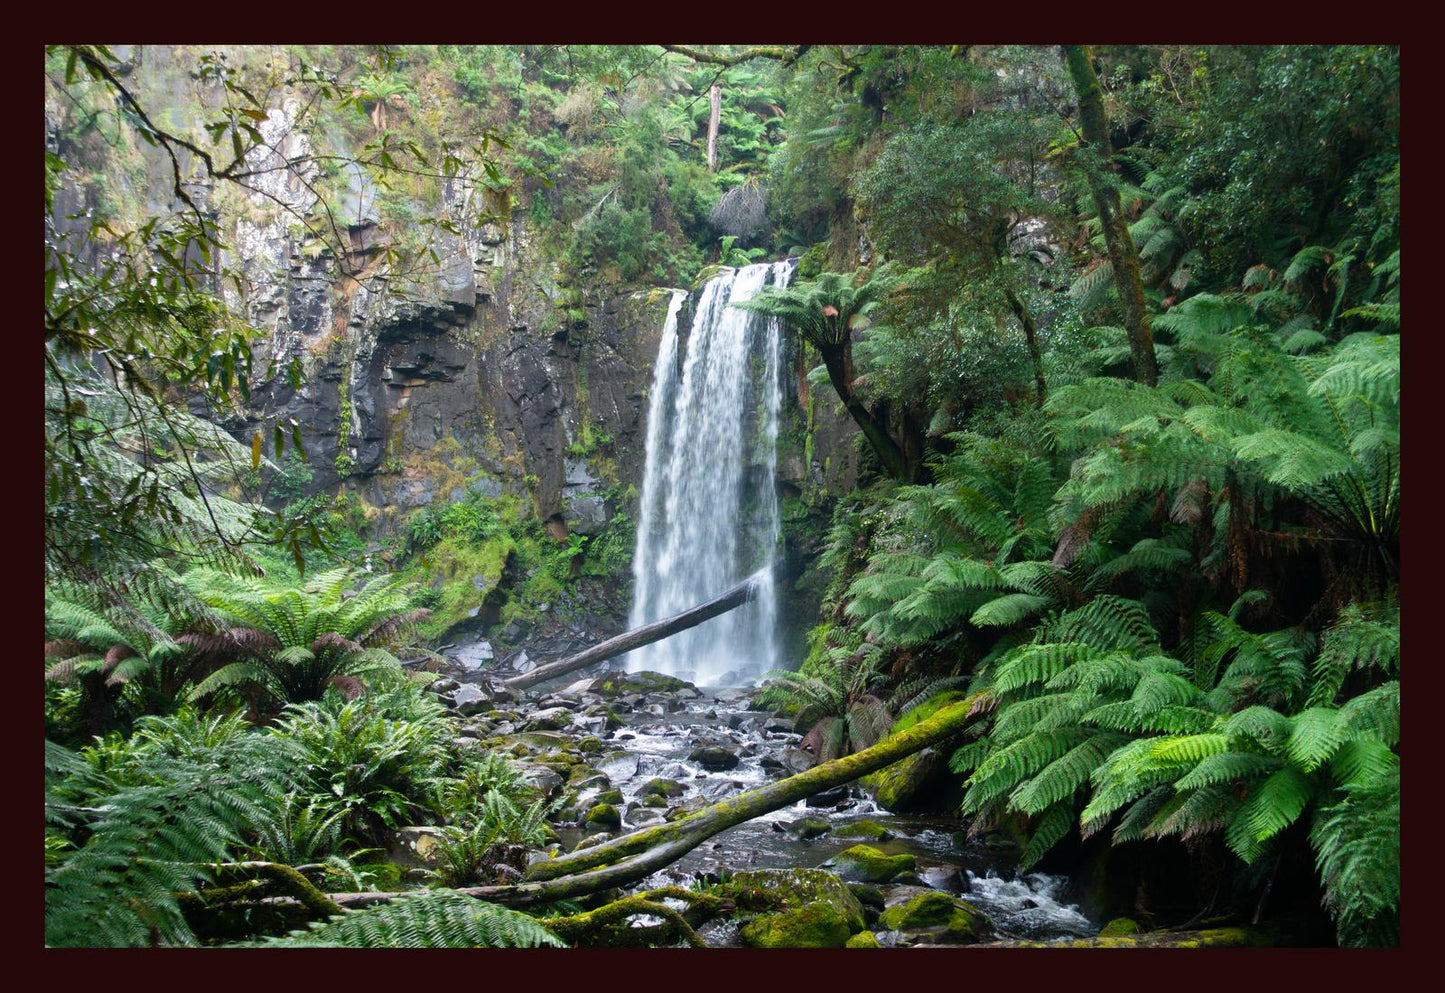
<point x="1122" y="253"/>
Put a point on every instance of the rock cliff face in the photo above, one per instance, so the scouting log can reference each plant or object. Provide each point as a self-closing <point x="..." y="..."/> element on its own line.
<point x="468" y="371"/>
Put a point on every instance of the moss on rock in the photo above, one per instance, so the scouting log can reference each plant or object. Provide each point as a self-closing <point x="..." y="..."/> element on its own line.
<point x="813" y="908"/>
<point x="867" y="864"/>
<point x="1119" y="926"/>
<point x="604" y="816"/>
<point x="944" y="919"/>
<point x="870" y="829"/>
<point x="863" y="939"/>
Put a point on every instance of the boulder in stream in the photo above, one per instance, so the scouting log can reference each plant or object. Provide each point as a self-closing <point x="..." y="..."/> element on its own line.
<point x="805" y="908"/>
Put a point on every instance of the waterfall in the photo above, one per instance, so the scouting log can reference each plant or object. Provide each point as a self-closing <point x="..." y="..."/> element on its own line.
<point x="709" y="511"/>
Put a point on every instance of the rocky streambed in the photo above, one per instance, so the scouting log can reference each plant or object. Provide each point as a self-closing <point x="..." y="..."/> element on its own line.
<point x="621" y="751"/>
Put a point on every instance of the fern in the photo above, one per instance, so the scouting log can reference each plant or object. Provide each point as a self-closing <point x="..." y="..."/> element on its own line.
<point x="438" y="919"/>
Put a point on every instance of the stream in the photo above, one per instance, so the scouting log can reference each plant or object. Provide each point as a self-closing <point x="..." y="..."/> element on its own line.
<point x="661" y="737"/>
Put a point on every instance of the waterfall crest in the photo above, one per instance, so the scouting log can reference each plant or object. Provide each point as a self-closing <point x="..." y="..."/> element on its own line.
<point x="709" y="510"/>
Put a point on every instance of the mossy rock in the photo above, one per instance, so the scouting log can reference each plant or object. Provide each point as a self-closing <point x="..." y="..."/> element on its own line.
<point x="663" y="787"/>
<point x="869" y="829"/>
<point x="653" y="800"/>
<point x="863" y="939"/>
<point x="943" y="919"/>
<point x="864" y="863"/>
<point x="1119" y="926"/>
<point x="809" y="908"/>
<point x="604" y="816"/>
<point x="807" y="828"/>
<point x="618" y="684"/>
<point x="611" y="796"/>
<point x="589" y="745"/>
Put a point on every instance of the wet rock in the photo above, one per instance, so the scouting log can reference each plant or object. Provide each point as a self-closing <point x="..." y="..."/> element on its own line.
<point x="619" y="767"/>
<point x="731" y="695"/>
<point x="778" y="725"/>
<point x="807" y="828"/>
<point x="865" y="828"/>
<point x="443" y="686"/>
<point x="653" y="800"/>
<point x="863" y="939"/>
<point x="644" y="815"/>
<point x="867" y="864"/>
<point x="937" y="918"/>
<point x="805" y="908"/>
<point x="714" y="757"/>
<point x="663" y="787"/>
<point x="550" y="719"/>
<point x="796" y="760"/>
<point x="579" y="687"/>
<point x="613" y="797"/>
<point x="546" y="780"/>
<point x="603" y="817"/>
<point x="589" y="745"/>
<point x="521" y="662"/>
<point x="636" y="684"/>
<point x="828" y="798"/>
<point x="469" y="700"/>
<point x="475" y="655"/>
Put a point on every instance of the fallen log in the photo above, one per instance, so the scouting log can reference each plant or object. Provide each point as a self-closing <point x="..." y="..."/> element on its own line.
<point x="647" y="634"/>
<point x="635" y="856"/>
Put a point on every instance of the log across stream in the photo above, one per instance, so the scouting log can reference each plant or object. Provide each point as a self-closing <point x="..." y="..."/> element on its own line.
<point x="749" y="816"/>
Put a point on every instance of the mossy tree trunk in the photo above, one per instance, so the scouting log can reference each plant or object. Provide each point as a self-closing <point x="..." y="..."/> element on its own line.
<point x="1122" y="253"/>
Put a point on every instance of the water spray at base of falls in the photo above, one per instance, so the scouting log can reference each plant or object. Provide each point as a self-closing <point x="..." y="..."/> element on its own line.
<point x="709" y="511"/>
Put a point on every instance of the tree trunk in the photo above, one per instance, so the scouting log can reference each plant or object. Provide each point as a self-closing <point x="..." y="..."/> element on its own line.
<point x="839" y="361"/>
<point x="635" y="856"/>
<point x="1031" y="337"/>
<point x="1122" y="254"/>
<point x="714" y="96"/>
<point x="645" y="635"/>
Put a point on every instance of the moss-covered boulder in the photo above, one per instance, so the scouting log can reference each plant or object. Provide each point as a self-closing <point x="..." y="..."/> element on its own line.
<point x="939" y="919"/>
<point x="653" y="800"/>
<point x="869" y="829"/>
<point x="604" y="817"/>
<point x="804" y="908"/>
<point x="610" y="796"/>
<point x="622" y="683"/>
<point x="864" y="863"/>
<point x="806" y="828"/>
<point x="863" y="939"/>
<point x="663" y="787"/>
<point x="1119" y="926"/>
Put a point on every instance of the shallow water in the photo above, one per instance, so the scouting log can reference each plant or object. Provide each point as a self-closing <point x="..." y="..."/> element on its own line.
<point x="1033" y="906"/>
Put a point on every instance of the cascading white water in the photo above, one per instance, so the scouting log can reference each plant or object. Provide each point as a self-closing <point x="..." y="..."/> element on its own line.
<point x="709" y="511"/>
